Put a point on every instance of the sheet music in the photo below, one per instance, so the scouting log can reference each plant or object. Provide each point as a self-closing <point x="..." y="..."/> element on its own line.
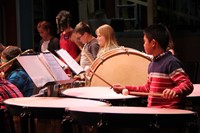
<point x="53" y="66"/>
<point x="43" y="69"/>
<point x="62" y="64"/>
<point x="36" y="70"/>
<point x="70" y="61"/>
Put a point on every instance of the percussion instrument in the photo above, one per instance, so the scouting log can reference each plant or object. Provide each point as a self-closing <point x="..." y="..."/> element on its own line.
<point x="121" y="65"/>
<point x="3" y="127"/>
<point x="196" y="91"/>
<point x="193" y="100"/>
<point x="135" y="119"/>
<point x="46" y="113"/>
<point x="105" y="94"/>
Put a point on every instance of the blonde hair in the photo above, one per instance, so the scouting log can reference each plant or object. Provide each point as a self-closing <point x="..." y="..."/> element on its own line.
<point x="109" y="34"/>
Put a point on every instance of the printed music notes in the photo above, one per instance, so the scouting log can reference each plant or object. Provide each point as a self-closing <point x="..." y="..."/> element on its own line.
<point x="43" y="69"/>
<point x="70" y="61"/>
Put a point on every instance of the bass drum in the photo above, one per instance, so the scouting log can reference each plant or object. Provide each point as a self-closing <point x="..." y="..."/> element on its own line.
<point x="121" y="65"/>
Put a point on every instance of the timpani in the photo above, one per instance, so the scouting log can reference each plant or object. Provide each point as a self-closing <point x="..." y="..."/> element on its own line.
<point x="196" y="92"/>
<point x="193" y="100"/>
<point x="115" y="119"/>
<point x="105" y="94"/>
<point x="6" y="121"/>
<point x="47" y="113"/>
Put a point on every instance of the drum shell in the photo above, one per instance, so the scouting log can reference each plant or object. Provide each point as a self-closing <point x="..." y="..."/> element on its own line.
<point x="6" y="121"/>
<point x="36" y="112"/>
<point x="136" y="121"/>
<point x="193" y="101"/>
<point x="43" y="114"/>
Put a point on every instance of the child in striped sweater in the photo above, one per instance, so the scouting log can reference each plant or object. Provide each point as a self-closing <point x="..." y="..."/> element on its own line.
<point x="165" y="73"/>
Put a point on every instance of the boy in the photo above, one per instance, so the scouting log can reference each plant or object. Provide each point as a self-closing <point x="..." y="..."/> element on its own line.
<point x="165" y="72"/>
<point x="91" y="46"/>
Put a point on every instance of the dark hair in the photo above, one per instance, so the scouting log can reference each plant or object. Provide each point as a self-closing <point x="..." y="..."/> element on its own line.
<point x="9" y="53"/>
<point x="81" y="28"/>
<point x="160" y="33"/>
<point x="63" y="19"/>
<point x="46" y="26"/>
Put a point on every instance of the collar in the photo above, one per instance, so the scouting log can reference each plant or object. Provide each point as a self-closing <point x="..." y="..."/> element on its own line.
<point x="159" y="56"/>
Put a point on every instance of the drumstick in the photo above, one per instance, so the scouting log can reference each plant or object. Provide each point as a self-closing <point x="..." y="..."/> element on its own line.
<point x="125" y="92"/>
<point x="101" y="78"/>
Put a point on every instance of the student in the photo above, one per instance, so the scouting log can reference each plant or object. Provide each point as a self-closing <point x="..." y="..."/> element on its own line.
<point x="67" y="38"/>
<point x="91" y="46"/>
<point x="106" y="39"/>
<point x="14" y="72"/>
<point x="165" y="72"/>
<point x="7" y="90"/>
<point x="49" y="41"/>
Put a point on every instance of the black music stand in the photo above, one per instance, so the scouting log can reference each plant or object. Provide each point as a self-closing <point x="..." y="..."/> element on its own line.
<point x="44" y="70"/>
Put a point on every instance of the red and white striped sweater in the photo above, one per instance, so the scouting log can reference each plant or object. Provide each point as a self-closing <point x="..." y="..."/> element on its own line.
<point x="166" y="71"/>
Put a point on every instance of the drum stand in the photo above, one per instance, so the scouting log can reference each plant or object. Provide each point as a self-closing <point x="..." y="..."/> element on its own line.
<point x="50" y="91"/>
<point x="67" y="124"/>
<point x="5" y="125"/>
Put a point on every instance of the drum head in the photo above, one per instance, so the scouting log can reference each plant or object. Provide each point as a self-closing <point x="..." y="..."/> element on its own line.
<point x="121" y="65"/>
<point x="95" y="93"/>
<point x="102" y="94"/>
<point x="47" y="106"/>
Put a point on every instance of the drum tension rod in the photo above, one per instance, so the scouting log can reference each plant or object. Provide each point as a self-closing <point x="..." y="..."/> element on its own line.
<point x="102" y="59"/>
<point x="126" y="50"/>
<point x="25" y="114"/>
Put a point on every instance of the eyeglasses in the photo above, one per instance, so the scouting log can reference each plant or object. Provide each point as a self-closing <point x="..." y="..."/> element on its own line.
<point x="79" y="38"/>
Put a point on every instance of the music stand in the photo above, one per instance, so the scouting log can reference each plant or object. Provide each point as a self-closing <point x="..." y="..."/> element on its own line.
<point x="70" y="61"/>
<point x="44" y="70"/>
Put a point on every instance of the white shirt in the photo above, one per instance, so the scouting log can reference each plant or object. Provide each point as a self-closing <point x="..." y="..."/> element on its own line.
<point x="44" y="45"/>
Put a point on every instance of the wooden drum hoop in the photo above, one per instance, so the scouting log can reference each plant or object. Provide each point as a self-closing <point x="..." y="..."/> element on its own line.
<point x="121" y="65"/>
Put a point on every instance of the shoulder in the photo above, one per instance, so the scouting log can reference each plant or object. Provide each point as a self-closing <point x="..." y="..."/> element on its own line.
<point x="18" y="73"/>
<point x="112" y="47"/>
<point x="172" y="59"/>
<point x="54" y="39"/>
<point x="41" y="41"/>
<point x="7" y="84"/>
<point x="93" y="42"/>
<point x="172" y="63"/>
